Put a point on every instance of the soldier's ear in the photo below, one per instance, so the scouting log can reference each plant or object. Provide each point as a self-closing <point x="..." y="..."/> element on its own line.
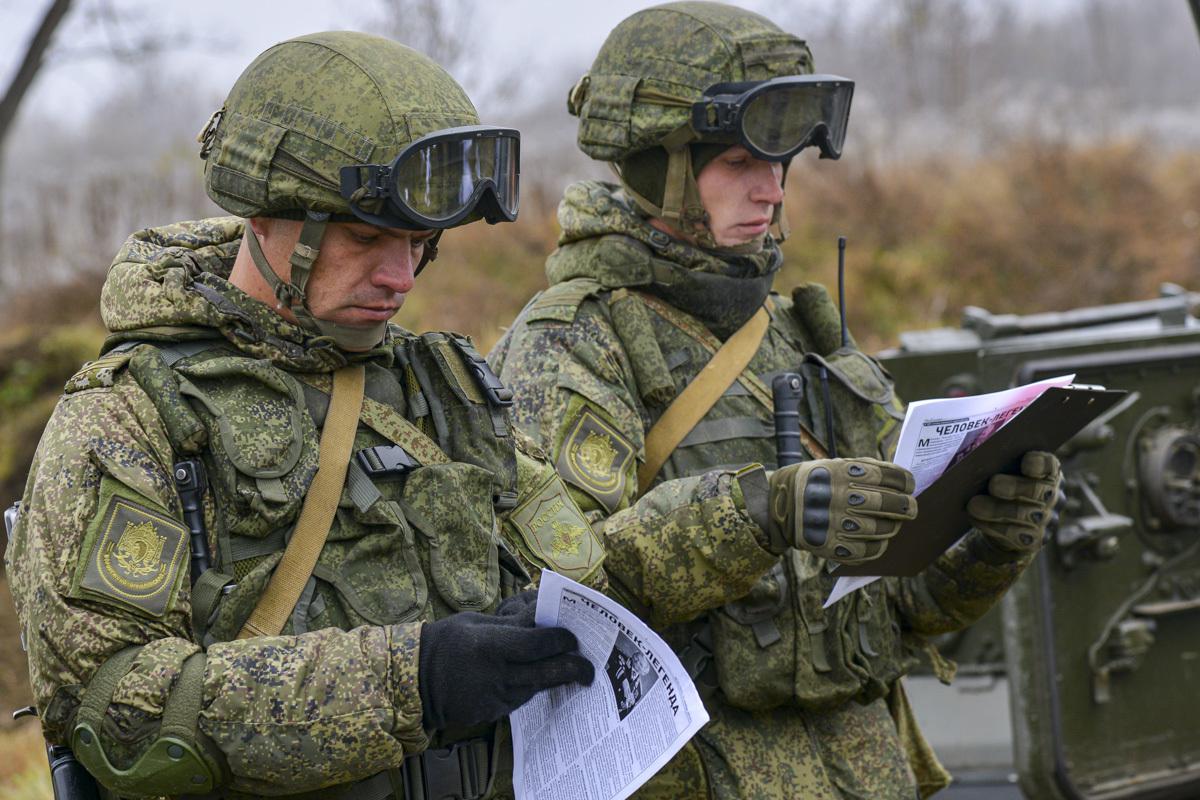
<point x="258" y="226"/>
<point x="267" y="227"/>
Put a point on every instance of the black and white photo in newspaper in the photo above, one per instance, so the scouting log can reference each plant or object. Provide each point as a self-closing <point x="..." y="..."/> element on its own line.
<point x="601" y="742"/>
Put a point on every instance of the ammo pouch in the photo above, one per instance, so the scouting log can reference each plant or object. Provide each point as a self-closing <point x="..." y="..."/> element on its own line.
<point x="860" y="393"/>
<point x="754" y="645"/>
<point x="823" y="657"/>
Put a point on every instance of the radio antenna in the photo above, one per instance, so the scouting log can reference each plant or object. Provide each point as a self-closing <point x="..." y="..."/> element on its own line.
<point x="842" y="289"/>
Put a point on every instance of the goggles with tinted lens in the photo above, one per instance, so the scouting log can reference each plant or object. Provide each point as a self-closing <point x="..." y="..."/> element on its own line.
<point x="441" y="180"/>
<point x="778" y="118"/>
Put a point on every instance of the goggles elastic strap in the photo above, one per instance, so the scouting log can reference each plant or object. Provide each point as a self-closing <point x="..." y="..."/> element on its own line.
<point x="650" y="95"/>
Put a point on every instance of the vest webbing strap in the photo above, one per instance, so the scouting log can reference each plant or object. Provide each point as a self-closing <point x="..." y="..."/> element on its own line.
<point x="391" y="425"/>
<point x="699" y="396"/>
<point x="320" y="504"/>
<point x="704" y="337"/>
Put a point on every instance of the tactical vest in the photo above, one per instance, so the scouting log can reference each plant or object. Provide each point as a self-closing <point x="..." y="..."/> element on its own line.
<point x="414" y="537"/>
<point x="411" y="539"/>
<point x="776" y="645"/>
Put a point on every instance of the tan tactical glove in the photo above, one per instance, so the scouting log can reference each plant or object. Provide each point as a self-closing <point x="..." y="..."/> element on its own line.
<point x="843" y="509"/>
<point x="1015" y="511"/>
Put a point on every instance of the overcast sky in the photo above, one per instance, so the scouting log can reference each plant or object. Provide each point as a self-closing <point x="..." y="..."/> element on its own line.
<point x="540" y="35"/>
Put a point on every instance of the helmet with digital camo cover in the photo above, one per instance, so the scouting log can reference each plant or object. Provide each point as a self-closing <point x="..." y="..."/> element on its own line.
<point x="349" y="127"/>
<point x="675" y="84"/>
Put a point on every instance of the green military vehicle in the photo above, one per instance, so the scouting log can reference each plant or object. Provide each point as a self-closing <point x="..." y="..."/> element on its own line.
<point x="1085" y="683"/>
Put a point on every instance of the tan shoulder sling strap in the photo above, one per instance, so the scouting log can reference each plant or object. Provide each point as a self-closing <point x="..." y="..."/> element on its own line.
<point x="690" y="406"/>
<point x="320" y="504"/>
<point x="390" y="424"/>
<point x="725" y="367"/>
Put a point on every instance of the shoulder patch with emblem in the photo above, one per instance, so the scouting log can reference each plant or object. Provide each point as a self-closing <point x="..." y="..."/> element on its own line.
<point x="596" y="458"/>
<point x="133" y="554"/>
<point x="555" y="531"/>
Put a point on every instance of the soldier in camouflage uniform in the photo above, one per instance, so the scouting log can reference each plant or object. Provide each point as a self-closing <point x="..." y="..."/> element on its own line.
<point x="649" y="279"/>
<point x="386" y="673"/>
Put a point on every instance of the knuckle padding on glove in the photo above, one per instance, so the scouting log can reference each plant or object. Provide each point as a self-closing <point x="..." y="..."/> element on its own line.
<point x="844" y="509"/>
<point x="990" y="509"/>
<point x="818" y="496"/>
<point x="899" y="480"/>
<point x="1039" y="464"/>
<point x="890" y="505"/>
<point x="1018" y="487"/>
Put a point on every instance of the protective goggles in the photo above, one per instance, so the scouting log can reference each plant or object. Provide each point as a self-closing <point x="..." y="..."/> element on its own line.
<point x="778" y="118"/>
<point x="440" y="180"/>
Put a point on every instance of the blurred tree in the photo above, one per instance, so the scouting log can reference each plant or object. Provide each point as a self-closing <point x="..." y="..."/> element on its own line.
<point x="27" y="71"/>
<point x="31" y="62"/>
<point x="105" y="32"/>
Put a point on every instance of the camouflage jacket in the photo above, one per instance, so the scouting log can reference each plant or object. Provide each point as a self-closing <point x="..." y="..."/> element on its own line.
<point x="630" y="318"/>
<point x="99" y="561"/>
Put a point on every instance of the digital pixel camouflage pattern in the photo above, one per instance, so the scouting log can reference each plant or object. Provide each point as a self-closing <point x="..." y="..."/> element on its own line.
<point x="96" y="564"/>
<point x="619" y="102"/>
<point x="800" y="695"/>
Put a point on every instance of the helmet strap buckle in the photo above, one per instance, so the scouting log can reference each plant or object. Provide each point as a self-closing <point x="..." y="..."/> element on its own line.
<point x="292" y="293"/>
<point x="306" y="250"/>
<point x="682" y="207"/>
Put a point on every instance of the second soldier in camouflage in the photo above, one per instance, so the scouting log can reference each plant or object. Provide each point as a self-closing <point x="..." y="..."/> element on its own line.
<point x="652" y="277"/>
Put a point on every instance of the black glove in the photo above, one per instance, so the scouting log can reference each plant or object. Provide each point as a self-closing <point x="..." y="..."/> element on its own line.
<point x="843" y="509"/>
<point x="476" y="668"/>
<point x="1017" y="508"/>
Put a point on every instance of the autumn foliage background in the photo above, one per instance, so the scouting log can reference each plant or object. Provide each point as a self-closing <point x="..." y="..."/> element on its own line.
<point x="1017" y="220"/>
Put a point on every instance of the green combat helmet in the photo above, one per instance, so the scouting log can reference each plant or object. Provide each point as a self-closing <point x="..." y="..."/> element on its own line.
<point x="679" y="75"/>
<point x="348" y="127"/>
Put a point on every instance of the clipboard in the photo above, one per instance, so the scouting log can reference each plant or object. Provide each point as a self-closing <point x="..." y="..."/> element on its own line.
<point x="1045" y="424"/>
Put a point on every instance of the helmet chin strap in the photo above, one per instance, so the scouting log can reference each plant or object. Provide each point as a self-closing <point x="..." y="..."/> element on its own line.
<point x="292" y="293"/>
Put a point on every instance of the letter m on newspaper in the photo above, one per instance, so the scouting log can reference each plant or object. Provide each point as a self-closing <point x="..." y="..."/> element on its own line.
<point x="953" y="446"/>
<point x="601" y="742"/>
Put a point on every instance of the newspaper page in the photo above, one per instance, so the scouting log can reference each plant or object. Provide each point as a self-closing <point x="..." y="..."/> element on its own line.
<point x="601" y="742"/>
<point x="937" y="434"/>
